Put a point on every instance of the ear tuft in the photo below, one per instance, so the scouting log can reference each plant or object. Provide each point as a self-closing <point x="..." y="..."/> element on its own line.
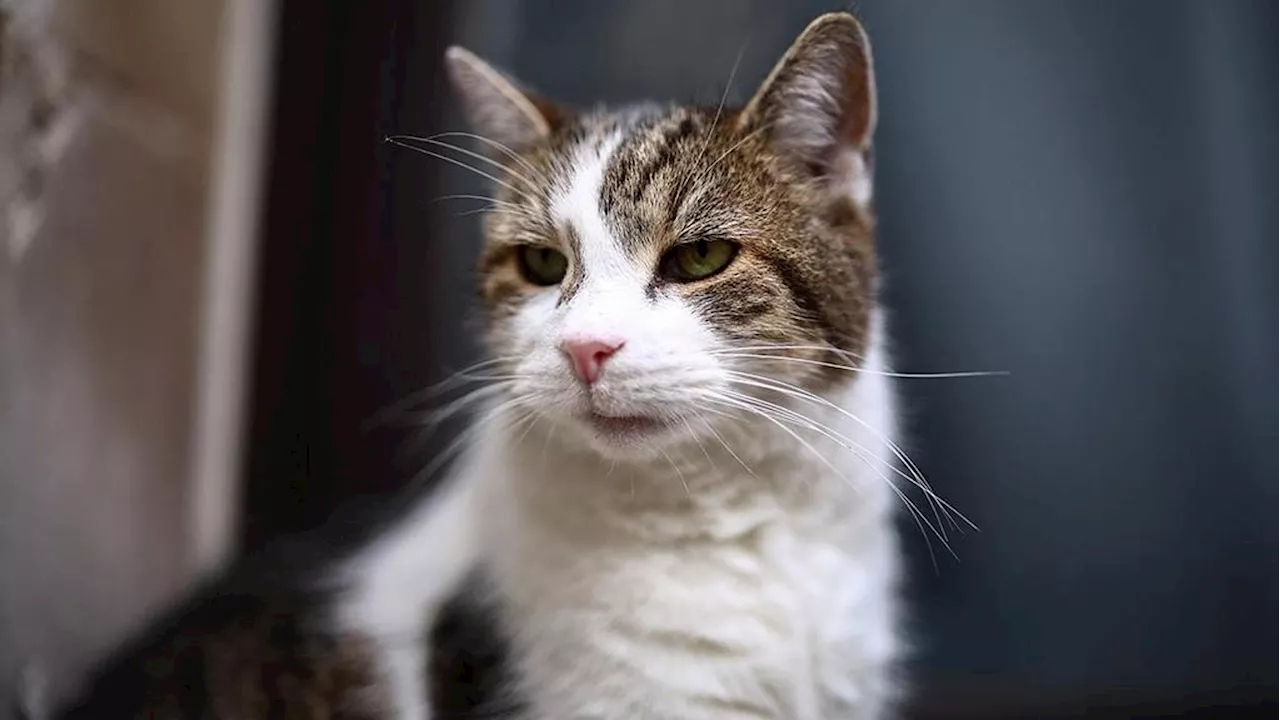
<point x="495" y="105"/>
<point x="818" y="104"/>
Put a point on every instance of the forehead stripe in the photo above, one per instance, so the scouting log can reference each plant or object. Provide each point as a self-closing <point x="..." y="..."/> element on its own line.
<point x="577" y="271"/>
<point x="576" y="209"/>
<point x="646" y="151"/>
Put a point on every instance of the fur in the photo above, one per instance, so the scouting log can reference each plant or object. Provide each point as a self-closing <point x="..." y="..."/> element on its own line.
<point x="737" y="558"/>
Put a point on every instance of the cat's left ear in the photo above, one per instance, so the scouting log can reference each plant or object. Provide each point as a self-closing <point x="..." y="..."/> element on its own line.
<point x="818" y="105"/>
<point x="496" y="106"/>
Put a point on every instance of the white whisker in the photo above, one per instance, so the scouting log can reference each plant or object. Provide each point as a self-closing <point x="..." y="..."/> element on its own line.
<point x="701" y="447"/>
<point x="715" y="120"/>
<point x="459" y="443"/>
<point x="678" y="472"/>
<point x="435" y="417"/>
<point x="494" y="205"/>
<point x="915" y="511"/>
<point x="739" y="353"/>
<point x="469" y="153"/>
<point x="741" y="141"/>
<point x="729" y="449"/>
<point x="533" y="422"/>
<point x="401" y="406"/>
<point x="500" y="146"/>
<point x="860" y="451"/>
<point x="777" y="386"/>
<point x="463" y="165"/>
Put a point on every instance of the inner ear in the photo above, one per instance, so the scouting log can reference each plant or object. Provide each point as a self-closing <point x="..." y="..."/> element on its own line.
<point x="818" y="104"/>
<point x="497" y="107"/>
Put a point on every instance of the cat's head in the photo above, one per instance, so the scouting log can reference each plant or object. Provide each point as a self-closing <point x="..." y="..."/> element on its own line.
<point x="650" y="271"/>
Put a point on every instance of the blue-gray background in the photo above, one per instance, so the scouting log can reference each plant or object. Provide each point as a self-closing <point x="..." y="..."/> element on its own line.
<point x="1078" y="192"/>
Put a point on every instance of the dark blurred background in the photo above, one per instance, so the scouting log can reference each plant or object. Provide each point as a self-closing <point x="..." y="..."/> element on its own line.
<point x="1080" y="193"/>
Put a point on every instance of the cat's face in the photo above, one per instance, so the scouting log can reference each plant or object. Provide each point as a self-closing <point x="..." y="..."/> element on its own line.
<point x="650" y="274"/>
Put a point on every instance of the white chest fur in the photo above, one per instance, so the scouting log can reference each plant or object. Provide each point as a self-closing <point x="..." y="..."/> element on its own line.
<point x="757" y="582"/>
<point x="711" y="584"/>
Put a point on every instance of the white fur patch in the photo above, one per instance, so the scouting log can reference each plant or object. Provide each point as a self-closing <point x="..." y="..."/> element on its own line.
<point x="400" y="583"/>
<point x="852" y="172"/>
<point x="577" y="206"/>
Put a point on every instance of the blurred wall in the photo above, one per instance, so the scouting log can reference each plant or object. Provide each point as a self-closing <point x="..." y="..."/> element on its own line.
<point x="116" y="141"/>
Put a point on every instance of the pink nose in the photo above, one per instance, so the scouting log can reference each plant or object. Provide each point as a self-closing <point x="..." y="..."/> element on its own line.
<point x="588" y="355"/>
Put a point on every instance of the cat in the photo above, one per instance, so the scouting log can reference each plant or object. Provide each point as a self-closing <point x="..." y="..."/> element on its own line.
<point x="677" y="498"/>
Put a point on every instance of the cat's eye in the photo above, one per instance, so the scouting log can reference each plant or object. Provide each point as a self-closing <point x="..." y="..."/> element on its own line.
<point x="541" y="265"/>
<point x="697" y="260"/>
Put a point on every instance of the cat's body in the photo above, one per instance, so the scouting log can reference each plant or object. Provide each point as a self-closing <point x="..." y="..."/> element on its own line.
<point x="676" y="501"/>
<point x="704" y="567"/>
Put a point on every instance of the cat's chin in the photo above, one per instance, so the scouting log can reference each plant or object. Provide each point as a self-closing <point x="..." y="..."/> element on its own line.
<point x="628" y="436"/>
<point x="625" y="428"/>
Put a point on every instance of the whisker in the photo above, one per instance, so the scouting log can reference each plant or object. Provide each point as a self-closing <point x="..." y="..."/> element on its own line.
<point x="711" y="429"/>
<point x="463" y="165"/>
<point x="427" y="422"/>
<point x="469" y="153"/>
<point x="500" y="146"/>
<point x="749" y="408"/>
<point x="492" y="378"/>
<point x="867" y="371"/>
<point x="459" y="443"/>
<point x="533" y="418"/>
<point x="693" y="175"/>
<point x="917" y="515"/>
<point x="477" y="211"/>
<point x="417" y="396"/>
<point x="912" y="508"/>
<point x="786" y="389"/>
<point x="678" y="471"/>
<point x="741" y="141"/>
<point x="495" y="203"/>
<point x="740" y="353"/>
<point x="827" y="347"/>
<point x="486" y="198"/>
<point x="435" y="417"/>
<point x="702" y="447"/>
<point x="715" y="120"/>
<point x="800" y="393"/>
<point x="859" y="450"/>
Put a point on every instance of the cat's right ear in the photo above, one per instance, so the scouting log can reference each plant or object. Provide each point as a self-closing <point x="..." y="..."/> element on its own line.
<point x="496" y="106"/>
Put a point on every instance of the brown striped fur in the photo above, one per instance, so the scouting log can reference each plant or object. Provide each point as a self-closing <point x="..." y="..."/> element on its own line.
<point x="244" y="648"/>
<point x="766" y="177"/>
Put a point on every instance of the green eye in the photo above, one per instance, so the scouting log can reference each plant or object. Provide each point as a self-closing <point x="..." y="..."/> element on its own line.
<point x="700" y="259"/>
<point x="541" y="265"/>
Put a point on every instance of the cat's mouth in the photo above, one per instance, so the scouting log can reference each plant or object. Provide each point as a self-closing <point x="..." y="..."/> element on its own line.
<point x="625" y="427"/>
